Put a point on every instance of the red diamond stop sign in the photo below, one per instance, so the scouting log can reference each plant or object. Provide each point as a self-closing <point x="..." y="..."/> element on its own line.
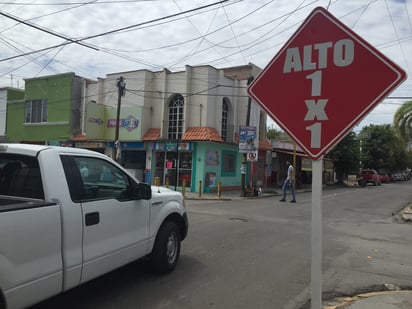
<point x="323" y="82"/>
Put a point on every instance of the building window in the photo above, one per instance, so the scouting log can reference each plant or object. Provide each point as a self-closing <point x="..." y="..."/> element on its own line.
<point x="175" y="128"/>
<point x="228" y="163"/>
<point x="225" y="114"/>
<point x="36" y="111"/>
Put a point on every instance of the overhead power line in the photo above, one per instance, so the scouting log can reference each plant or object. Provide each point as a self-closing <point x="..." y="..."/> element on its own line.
<point x="115" y="30"/>
<point x="46" y="30"/>
<point x="70" y="3"/>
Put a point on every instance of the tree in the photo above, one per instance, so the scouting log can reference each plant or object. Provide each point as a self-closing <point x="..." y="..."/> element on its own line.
<point x="382" y="149"/>
<point x="402" y="122"/>
<point x="277" y="134"/>
<point x="346" y="156"/>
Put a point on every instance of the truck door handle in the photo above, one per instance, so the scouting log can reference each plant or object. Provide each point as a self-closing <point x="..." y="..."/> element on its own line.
<point x="92" y="218"/>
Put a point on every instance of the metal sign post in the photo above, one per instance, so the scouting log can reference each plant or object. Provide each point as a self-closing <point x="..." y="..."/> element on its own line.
<point x="316" y="235"/>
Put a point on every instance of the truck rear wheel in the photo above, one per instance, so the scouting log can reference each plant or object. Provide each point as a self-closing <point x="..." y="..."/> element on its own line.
<point x="166" y="250"/>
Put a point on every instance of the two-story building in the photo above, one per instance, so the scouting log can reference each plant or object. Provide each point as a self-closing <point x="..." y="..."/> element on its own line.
<point x="179" y="126"/>
<point x="48" y="112"/>
<point x="173" y="126"/>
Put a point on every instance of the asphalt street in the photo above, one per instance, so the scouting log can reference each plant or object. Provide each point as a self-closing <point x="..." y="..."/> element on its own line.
<point x="255" y="253"/>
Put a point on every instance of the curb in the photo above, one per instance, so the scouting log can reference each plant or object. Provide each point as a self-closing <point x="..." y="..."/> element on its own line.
<point x="406" y="214"/>
<point x="345" y="302"/>
<point x="210" y="198"/>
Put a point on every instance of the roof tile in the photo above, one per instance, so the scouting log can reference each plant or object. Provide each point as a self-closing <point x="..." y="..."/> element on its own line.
<point x="202" y="134"/>
<point x="152" y="134"/>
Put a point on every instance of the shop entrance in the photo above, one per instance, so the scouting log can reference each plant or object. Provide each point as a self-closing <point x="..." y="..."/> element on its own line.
<point x="173" y="168"/>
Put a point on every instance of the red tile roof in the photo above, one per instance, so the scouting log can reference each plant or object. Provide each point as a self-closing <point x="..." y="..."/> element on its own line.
<point x="152" y="135"/>
<point x="202" y="134"/>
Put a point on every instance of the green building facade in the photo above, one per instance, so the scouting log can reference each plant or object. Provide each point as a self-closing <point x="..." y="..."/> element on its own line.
<point x="49" y="112"/>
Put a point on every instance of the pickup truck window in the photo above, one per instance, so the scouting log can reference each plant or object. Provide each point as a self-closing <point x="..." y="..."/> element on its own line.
<point x="20" y="176"/>
<point x="96" y="179"/>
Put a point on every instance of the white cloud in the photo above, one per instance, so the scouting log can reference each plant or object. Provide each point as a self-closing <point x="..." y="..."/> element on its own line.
<point x="233" y="33"/>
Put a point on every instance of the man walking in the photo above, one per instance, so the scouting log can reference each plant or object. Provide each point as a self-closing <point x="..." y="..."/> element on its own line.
<point x="289" y="184"/>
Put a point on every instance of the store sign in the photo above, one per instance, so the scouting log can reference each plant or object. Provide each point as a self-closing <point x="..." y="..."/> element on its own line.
<point x="97" y="121"/>
<point x="171" y="146"/>
<point x="130" y="123"/>
<point x="247" y="139"/>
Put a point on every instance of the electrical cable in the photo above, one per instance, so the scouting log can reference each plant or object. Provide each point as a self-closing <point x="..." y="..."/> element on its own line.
<point x="77" y="41"/>
<point x="46" y="30"/>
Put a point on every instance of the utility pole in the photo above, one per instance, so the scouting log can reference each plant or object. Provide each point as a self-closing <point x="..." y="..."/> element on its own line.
<point x="121" y="86"/>
<point x="244" y="159"/>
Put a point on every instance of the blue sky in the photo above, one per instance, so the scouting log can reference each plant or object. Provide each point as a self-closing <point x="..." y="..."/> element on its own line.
<point x="157" y="35"/>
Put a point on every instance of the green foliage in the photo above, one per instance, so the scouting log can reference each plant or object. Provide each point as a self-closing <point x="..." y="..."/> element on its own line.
<point x="402" y="122"/>
<point x="346" y="156"/>
<point x="377" y="146"/>
<point x="276" y="134"/>
<point x="383" y="149"/>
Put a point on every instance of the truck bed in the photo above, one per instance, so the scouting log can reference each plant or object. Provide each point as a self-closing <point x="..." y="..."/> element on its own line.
<point x="9" y="203"/>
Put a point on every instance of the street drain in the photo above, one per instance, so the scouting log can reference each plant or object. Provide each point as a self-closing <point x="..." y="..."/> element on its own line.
<point x="239" y="219"/>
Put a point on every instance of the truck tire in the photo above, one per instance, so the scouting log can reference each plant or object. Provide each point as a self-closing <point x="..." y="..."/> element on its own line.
<point x="166" y="250"/>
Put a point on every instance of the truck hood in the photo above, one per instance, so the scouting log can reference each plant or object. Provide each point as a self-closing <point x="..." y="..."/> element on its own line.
<point x="165" y="194"/>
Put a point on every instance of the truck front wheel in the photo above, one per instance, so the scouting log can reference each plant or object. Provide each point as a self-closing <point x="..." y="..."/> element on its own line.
<point x="166" y="250"/>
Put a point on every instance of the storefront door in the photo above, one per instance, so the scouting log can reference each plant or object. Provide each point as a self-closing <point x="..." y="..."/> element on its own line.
<point x="167" y="171"/>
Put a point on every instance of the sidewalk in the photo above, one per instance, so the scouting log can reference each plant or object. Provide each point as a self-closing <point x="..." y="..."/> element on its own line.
<point x="236" y="194"/>
<point x="228" y="195"/>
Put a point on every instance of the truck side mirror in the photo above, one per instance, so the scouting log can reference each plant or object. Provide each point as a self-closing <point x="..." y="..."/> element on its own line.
<point x="144" y="191"/>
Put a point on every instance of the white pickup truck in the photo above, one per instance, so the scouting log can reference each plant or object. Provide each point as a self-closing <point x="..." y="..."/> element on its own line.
<point x="70" y="215"/>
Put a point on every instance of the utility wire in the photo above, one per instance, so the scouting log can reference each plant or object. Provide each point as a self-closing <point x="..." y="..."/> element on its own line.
<point x="52" y="13"/>
<point x="118" y="30"/>
<point x="46" y="30"/>
<point x="71" y="3"/>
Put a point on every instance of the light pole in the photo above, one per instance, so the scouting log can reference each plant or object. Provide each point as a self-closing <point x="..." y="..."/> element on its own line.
<point x="121" y="86"/>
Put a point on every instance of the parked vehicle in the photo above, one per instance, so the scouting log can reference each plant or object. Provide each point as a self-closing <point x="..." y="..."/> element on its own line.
<point x="369" y="176"/>
<point x="391" y="178"/>
<point x="384" y="178"/>
<point x="399" y="176"/>
<point x="70" y="215"/>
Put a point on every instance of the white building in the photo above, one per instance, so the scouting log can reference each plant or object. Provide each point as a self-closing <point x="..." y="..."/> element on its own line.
<point x="178" y="126"/>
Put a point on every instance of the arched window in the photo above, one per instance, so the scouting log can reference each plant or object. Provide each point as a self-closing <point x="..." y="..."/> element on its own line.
<point x="225" y="119"/>
<point x="176" y="107"/>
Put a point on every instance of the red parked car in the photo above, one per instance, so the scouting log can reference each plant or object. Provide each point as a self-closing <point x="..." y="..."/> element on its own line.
<point x="384" y="178"/>
<point x="369" y="176"/>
